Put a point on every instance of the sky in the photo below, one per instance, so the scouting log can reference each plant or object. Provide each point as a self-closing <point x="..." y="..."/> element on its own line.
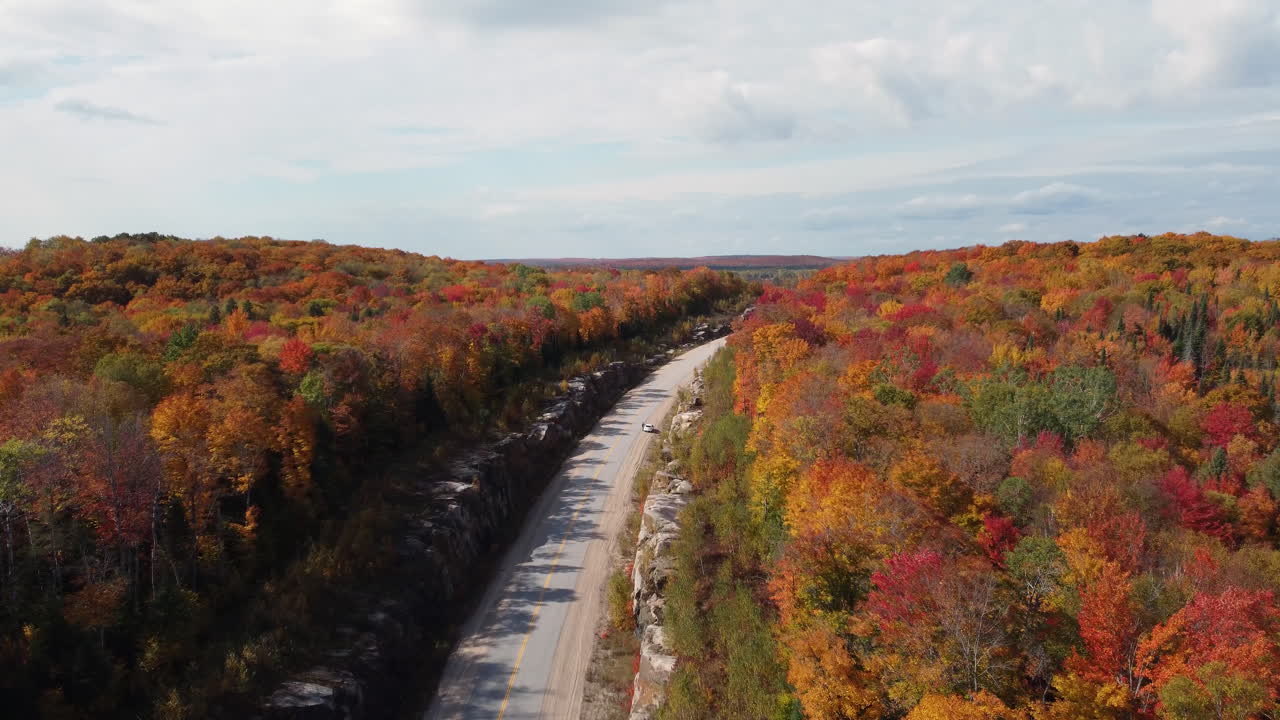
<point x="615" y="128"/>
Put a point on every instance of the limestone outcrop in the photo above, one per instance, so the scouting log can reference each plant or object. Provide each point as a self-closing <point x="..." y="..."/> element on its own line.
<point x="669" y="493"/>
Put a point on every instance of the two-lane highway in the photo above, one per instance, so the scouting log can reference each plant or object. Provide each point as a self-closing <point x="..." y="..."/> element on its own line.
<point x="525" y="649"/>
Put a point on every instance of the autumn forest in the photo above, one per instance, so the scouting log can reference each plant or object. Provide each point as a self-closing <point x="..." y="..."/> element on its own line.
<point x="1026" y="481"/>
<point x="191" y="435"/>
<point x="1029" y="481"/>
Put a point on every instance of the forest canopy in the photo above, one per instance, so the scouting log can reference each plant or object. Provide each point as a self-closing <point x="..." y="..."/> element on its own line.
<point x="1025" y="481"/>
<point x="185" y="427"/>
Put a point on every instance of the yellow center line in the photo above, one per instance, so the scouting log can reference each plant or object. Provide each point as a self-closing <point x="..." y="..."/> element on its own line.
<point x="555" y="562"/>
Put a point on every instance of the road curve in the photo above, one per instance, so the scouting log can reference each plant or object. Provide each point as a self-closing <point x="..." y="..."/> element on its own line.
<point x="524" y="651"/>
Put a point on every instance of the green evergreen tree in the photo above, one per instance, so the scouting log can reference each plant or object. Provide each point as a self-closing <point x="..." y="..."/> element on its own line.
<point x="1217" y="465"/>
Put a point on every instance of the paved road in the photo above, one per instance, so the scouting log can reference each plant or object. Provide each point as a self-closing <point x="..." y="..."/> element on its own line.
<point x="525" y="649"/>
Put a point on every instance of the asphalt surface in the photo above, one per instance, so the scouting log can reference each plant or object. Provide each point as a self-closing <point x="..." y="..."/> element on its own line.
<point x="525" y="649"/>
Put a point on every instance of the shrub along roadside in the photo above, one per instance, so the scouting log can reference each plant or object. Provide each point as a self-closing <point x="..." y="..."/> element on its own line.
<point x="619" y="594"/>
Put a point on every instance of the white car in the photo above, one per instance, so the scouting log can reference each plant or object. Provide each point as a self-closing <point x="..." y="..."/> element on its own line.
<point x="648" y="427"/>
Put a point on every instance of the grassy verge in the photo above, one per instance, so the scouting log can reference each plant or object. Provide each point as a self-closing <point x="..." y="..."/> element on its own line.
<point x="718" y="615"/>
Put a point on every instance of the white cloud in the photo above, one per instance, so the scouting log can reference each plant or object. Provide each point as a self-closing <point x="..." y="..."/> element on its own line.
<point x="721" y="110"/>
<point x="1221" y="221"/>
<point x="941" y="207"/>
<point x="830" y="218"/>
<point x="1014" y="227"/>
<point x="543" y="13"/>
<point x="882" y="73"/>
<point x="817" y="177"/>
<point x="1057" y="197"/>
<point x="907" y="80"/>
<point x="1226" y="43"/>
<point x="90" y="111"/>
<point x="497" y="210"/>
<point x="1053" y="198"/>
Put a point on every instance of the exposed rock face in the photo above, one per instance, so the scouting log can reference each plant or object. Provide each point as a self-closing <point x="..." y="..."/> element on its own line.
<point x="654" y="562"/>
<point x="319" y="694"/>
<point x="657" y="662"/>
<point x="452" y="521"/>
<point x="683" y="422"/>
<point x="704" y="332"/>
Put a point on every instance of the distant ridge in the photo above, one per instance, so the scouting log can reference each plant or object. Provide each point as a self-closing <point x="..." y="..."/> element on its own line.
<point x="715" y="262"/>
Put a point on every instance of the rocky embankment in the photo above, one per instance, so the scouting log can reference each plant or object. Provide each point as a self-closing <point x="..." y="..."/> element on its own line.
<point x="653" y="565"/>
<point x="453" y="521"/>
